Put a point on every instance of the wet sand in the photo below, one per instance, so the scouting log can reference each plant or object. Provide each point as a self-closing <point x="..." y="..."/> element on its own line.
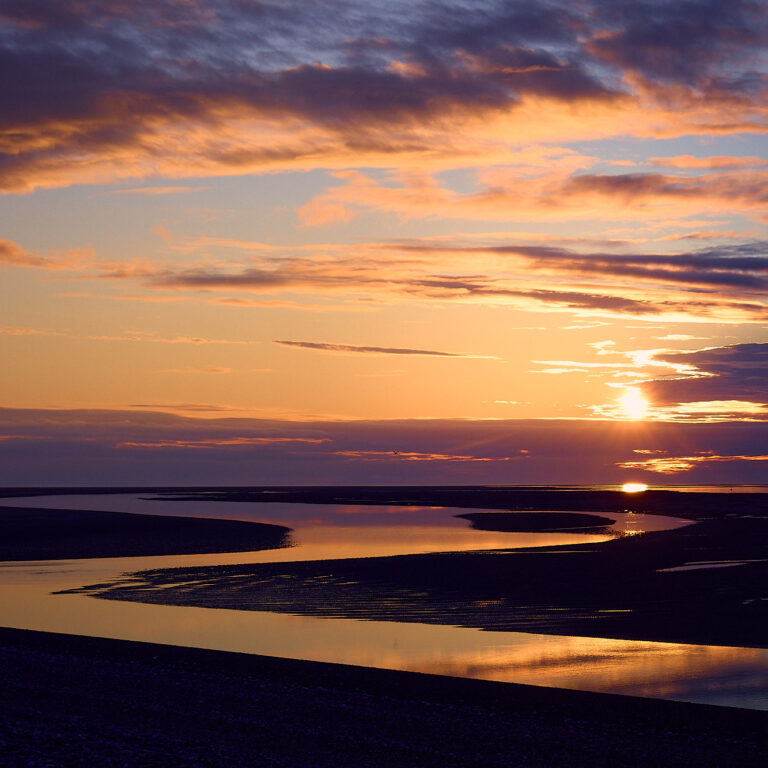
<point x="75" y="701"/>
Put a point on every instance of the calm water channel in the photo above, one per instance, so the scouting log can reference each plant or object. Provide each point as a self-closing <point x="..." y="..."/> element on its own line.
<point x="711" y="674"/>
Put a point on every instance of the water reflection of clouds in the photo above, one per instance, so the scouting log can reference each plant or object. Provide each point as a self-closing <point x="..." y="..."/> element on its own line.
<point x="714" y="674"/>
<point x="666" y="670"/>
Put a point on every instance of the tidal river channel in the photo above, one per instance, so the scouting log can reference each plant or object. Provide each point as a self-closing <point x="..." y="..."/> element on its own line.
<point x="722" y="675"/>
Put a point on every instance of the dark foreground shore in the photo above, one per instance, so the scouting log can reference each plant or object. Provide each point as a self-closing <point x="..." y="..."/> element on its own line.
<point x="80" y="701"/>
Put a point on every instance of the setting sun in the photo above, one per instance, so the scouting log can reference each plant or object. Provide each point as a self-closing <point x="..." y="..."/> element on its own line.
<point x="634" y="487"/>
<point x="635" y="406"/>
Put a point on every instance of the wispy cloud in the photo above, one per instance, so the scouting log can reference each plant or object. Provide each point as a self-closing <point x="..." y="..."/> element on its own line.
<point x="153" y="191"/>
<point x="132" y="336"/>
<point x="207" y="369"/>
<point x="149" y="337"/>
<point x="14" y="255"/>
<point x="324" y="346"/>
<point x="550" y="195"/>
<point x="725" y="283"/>
<point x="221" y="442"/>
<point x="680" y="337"/>
<point x="712" y="162"/>
<point x="194" y="408"/>
<point x="16" y="331"/>
<point x="673" y="465"/>
<point x="416" y="456"/>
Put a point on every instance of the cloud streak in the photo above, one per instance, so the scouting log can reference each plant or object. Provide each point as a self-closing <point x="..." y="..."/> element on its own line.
<point x="14" y="255"/>
<point x="674" y="465"/>
<point x="550" y="195"/>
<point x="415" y="456"/>
<point x="154" y="191"/>
<point x="722" y="282"/>
<point x="324" y="346"/>
<point x="725" y="282"/>
<point x="222" y="442"/>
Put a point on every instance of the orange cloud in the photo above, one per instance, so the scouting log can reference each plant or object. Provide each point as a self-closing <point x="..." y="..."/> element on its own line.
<point x="221" y="442"/>
<point x="153" y="191"/>
<point x="14" y="255"/>
<point x="551" y="196"/>
<point x="725" y="283"/>
<point x="209" y="369"/>
<point x="152" y="338"/>
<point x="16" y="331"/>
<point x="716" y="162"/>
<point x="672" y="465"/>
<point x="135" y="336"/>
<point x="416" y="456"/>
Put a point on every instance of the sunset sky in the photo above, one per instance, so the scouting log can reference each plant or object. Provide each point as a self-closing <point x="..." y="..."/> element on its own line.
<point x="330" y="241"/>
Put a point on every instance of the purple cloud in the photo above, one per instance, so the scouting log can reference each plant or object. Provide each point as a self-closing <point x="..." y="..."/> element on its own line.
<point x="60" y="447"/>
<point x="736" y="372"/>
<point x="689" y="41"/>
<point x="105" y="78"/>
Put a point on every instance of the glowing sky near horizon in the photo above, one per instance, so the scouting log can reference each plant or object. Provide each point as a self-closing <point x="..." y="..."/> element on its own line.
<point x="323" y="211"/>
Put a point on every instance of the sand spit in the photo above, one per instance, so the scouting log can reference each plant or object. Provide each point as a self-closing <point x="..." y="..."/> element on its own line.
<point x="55" y="534"/>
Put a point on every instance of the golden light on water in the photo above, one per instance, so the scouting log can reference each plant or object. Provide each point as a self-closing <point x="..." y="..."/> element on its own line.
<point x="635" y="406"/>
<point x="634" y="487"/>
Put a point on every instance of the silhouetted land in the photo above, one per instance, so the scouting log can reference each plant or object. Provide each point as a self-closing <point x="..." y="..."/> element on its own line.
<point x="54" y="534"/>
<point x="535" y="521"/>
<point x="77" y="701"/>
<point x="694" y="505"/>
